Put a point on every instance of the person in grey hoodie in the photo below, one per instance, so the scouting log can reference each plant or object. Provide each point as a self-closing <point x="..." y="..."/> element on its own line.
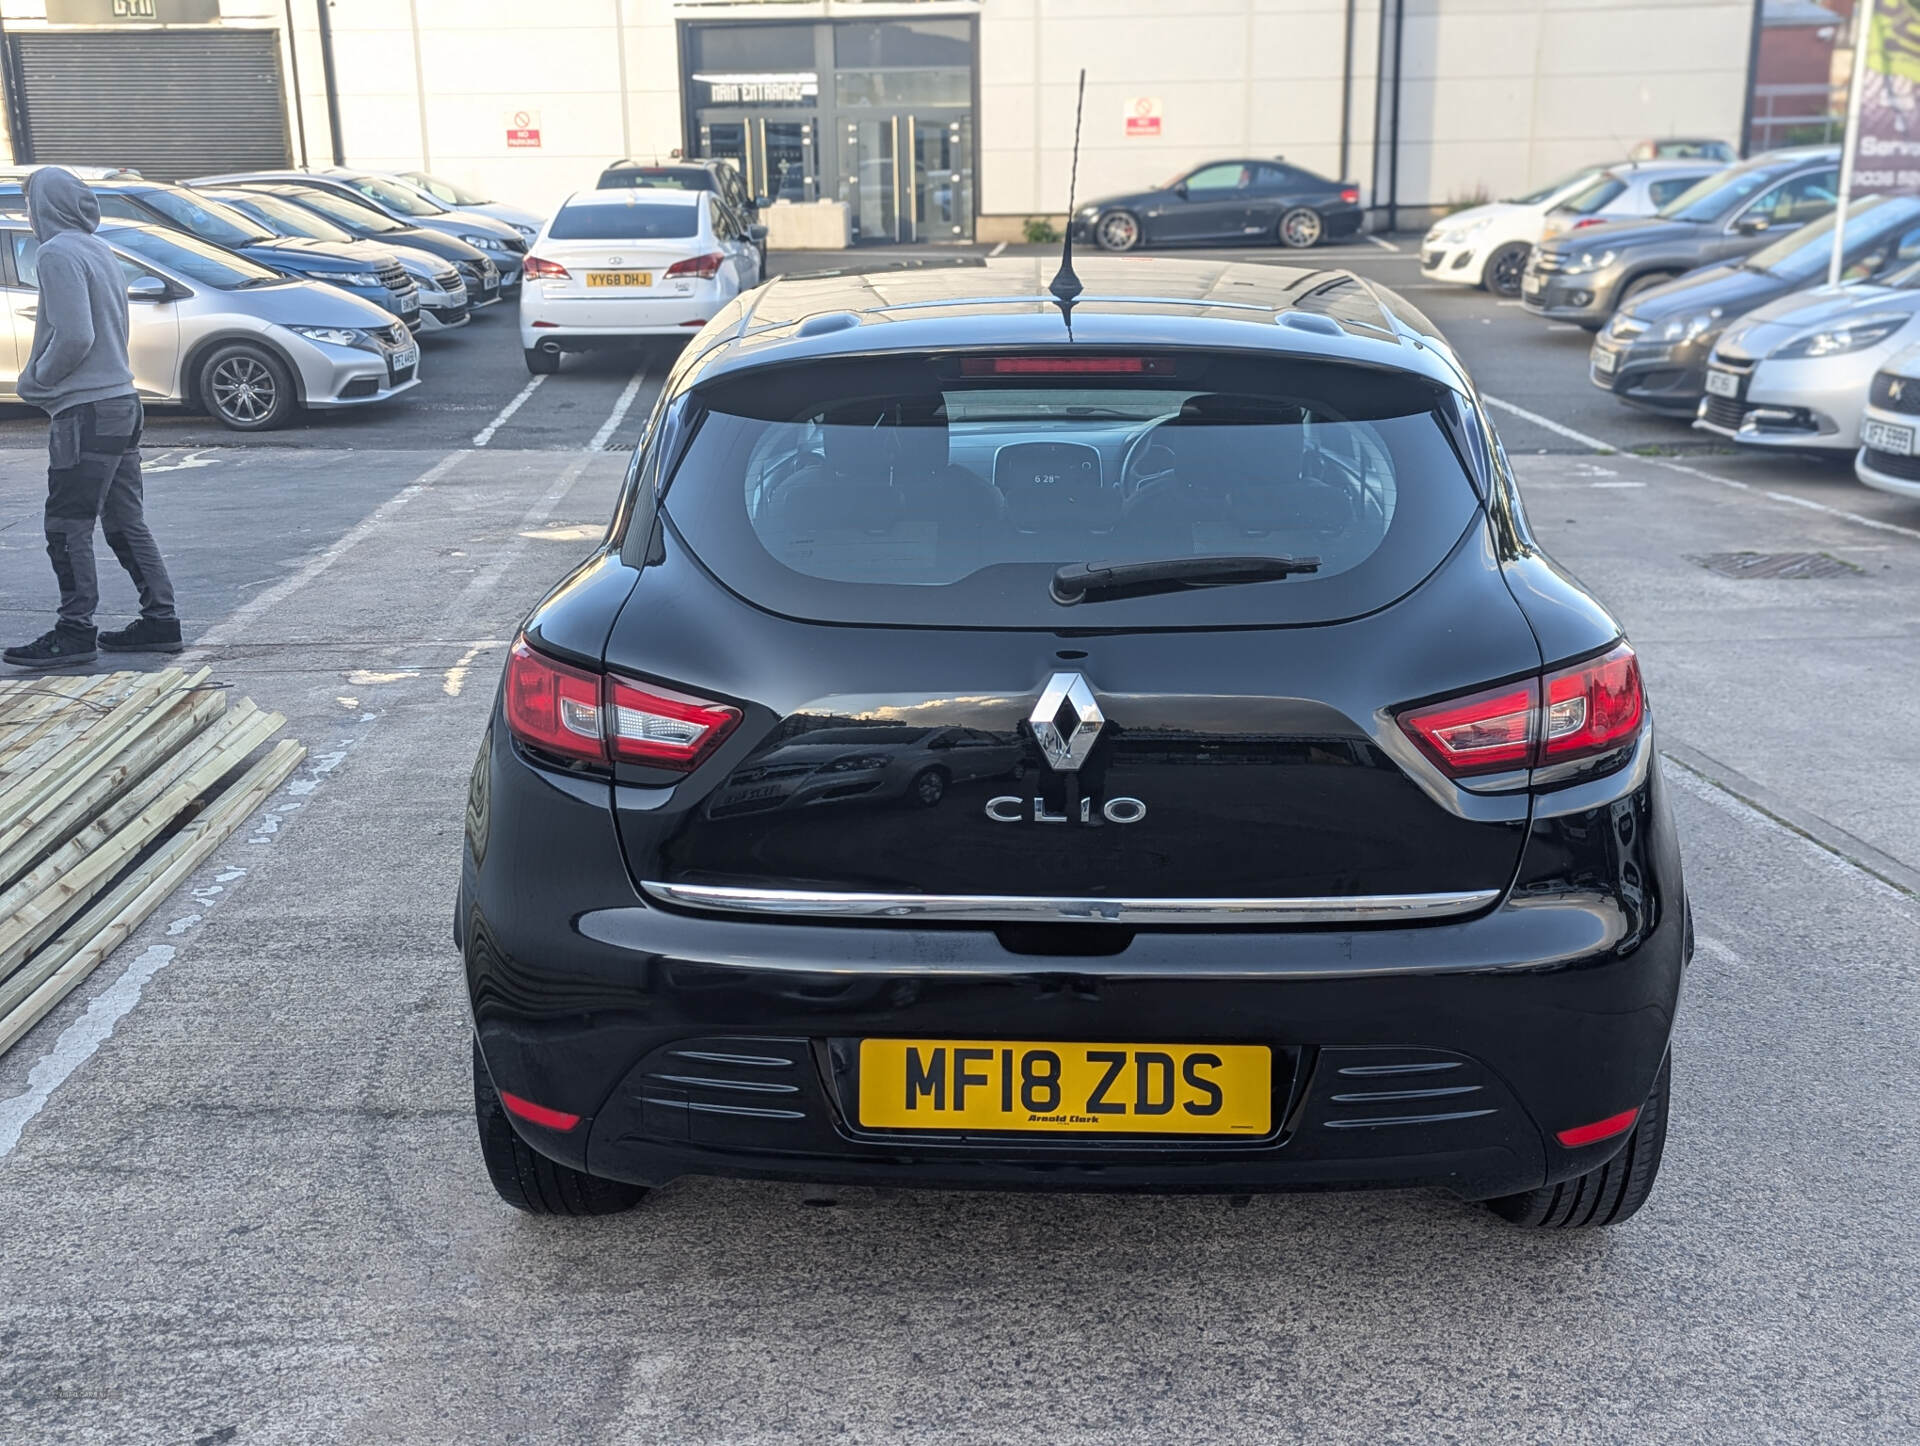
<point x="79" y="374"/>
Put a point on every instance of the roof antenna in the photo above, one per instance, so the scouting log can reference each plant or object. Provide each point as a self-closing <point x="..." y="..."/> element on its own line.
<point x="1065" y="286"/>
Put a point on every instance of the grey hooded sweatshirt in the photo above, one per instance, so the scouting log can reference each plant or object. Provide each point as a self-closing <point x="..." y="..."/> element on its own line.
<point x="80" y="332"/>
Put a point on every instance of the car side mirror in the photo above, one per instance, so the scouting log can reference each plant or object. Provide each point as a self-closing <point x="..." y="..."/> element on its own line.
<point x="1752" y="225"/>
<point x="148" y="288"/>
<point x="1180" y="190"/>
<point x="756" y="232"/>
<point x="760" y="203"/>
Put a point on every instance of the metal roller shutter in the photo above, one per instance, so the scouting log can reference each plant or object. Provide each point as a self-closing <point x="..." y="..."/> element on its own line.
<point x="170" y="103"/>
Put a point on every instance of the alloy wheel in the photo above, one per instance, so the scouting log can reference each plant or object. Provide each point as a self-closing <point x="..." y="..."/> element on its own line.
<point x="1301" y="227"/>
<point x="1509" y="264"/>
<point x="244" y="390"/>
<point x="1118" y="232"/>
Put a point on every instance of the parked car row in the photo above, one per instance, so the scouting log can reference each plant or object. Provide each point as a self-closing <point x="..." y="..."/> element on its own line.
<point x="255" y="295"/>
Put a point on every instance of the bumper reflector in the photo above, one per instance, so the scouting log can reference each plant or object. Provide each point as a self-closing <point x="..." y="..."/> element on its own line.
<point x="538" y="1114"/>
<point x="1599" y="1130"/>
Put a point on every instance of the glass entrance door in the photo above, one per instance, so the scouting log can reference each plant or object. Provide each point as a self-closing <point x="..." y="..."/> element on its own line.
<point x="908" y="176"/>
<point x="870" y="178"/>
<point x="942" y="177"/>
<point x="778" y="159"/>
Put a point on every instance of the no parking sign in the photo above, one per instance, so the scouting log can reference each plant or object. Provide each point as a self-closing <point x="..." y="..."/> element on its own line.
<point x="1143" y="116"/>
<point x="523" y="129"/>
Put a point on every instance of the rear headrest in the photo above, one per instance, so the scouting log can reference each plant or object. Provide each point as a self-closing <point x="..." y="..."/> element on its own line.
<point x="864" y="453"/>
<point x="919" y="451"/>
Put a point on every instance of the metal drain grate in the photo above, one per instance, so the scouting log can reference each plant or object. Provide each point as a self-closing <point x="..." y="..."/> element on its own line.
<point x="1791" y="566"/>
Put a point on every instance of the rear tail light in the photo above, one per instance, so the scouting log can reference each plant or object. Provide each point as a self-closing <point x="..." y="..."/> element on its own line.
<point x="593" y="718"/>
<point x="1350" y="195"/>
<point x="1585" y="711"/>
<point x="540" y="1115"/>
<point x="1586" y="221"/>
<point x="538" y="268"/>
<point x="707" y="266"/>
<point x="1599" y="1130"/>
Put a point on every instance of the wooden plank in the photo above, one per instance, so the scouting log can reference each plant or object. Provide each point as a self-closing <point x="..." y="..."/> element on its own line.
<point x="53" y="973"/>
<point x="135" y="713"/>
<point x="123" y="753"/>
<point x="51" y="702"/>
<point x="236" y="735"/>
<point x="34" y="921"/>
<point x="48" y="827"/>
<point x="84" y="711"/>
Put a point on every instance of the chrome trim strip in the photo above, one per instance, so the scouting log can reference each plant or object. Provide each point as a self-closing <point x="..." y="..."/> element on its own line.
<point x="1019" y="908"/>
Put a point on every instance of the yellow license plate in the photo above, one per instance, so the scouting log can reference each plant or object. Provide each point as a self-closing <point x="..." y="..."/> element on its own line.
<point x="619" y="278"/>
<point x="1130" y="1089"/>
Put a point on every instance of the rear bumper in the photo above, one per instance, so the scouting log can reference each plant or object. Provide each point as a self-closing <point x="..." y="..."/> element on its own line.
<point x="582" y="321"/>
<point x="1552" y="1009"/>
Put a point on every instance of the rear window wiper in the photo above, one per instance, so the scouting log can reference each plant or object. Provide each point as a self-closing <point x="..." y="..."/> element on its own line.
<point x="1079" y="581"/>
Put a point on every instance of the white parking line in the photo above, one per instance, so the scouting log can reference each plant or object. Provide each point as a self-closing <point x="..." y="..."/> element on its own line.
<point x="485" y="434"/>
<point x="1596" y="445"/>
<point x="997" y="249"/>
<point x="1384" y="245"/>
<point x="619" y="413"/>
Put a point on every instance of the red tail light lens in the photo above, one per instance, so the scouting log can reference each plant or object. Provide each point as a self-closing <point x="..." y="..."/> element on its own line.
<point x="1350" y="195"/>
<point x="538" y="268"/>
<point x="1590" y="709"/>
<point x="1482" y="733"/>
<point x="1593" y="708"/>
<point x="707" y="266"/>
<point x="649" y="724"/>
<point x="538" y="1114"/>
<point x="1045" y="366"/>
<point x="1586" y="221"/>
<point x="570" y="712"/>
<point x="1599" y="1130"/>
<point x="553" y="706"/>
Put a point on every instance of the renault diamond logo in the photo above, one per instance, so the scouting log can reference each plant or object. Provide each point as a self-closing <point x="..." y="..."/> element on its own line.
<point x="1068" y="695"/>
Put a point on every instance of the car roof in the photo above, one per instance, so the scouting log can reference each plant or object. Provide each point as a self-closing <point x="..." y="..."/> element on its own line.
<point x="635" y="196"/>
<point x="1310" y="312"/>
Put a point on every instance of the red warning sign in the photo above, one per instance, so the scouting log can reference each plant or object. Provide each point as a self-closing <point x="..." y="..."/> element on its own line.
<point x="1143" y="116"/>
<point x="523" y="129"/>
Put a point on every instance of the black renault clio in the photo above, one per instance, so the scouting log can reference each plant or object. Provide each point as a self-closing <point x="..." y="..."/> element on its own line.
<point x="1137" y="745"/>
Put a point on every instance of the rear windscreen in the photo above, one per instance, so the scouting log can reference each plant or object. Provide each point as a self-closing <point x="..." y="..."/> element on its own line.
<point x="614" y="221"/>
<point x="941" y="491"/>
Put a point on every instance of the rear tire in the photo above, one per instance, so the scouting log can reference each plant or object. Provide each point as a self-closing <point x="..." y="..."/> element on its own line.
<point x="1116" y="231"/>
<point x="541" y="362"/>
<point x="245" y="386"/>
<point x="528" y="1180"/>
<point x="1501" y="275"/>
<point x="1609" y="1193"/>
<point x="1301" y="227"/>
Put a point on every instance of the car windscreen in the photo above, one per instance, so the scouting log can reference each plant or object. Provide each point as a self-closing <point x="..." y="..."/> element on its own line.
<point x="208" y="220"/>
<point x="446" y="191"/>
<point x="624" y="221"/>
<point x="937" y="491"/>
<point x="396" y="197"/>
<point x="1805" y="252"/>
<point x="1594" y="195"/>
<point x="1713" y="197"/>
<point x="283" y="217"/>
<point x="355" y="215"/>
<point x="1546" y="193"/>
<point x="196" y="260"/>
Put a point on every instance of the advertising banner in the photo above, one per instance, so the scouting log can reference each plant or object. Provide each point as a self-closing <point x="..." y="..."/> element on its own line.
<point x="1884" y="141"/>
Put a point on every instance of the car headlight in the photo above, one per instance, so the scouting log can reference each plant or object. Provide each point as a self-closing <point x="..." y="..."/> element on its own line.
<point x="864" y="764"/>
<point x="1685" y="329"/>
<point x="343" y="278"/>
<point x="1587" y="262"/>
<point x="1837" y="340"/>
<point x="485" y="243"/>
<point x="1460" y="234"/>
<point x="338" y="336"/>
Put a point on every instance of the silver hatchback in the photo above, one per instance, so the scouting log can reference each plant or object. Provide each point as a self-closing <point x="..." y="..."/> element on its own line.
<point x="211" y="329"/>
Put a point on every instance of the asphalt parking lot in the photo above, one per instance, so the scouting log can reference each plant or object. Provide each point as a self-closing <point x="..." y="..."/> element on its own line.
<point x="244" y="1201"/>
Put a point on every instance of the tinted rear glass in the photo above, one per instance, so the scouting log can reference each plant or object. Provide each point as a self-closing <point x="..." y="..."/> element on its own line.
<point x="1585" y="202"/>
<point x="908" y="491"/>
<point x="1713" y="197"/>
<point x="691" y="180"/>
<point x="638" y="221"/>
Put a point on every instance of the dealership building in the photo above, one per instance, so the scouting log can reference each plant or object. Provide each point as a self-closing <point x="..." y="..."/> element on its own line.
<point x="946" y="120"/>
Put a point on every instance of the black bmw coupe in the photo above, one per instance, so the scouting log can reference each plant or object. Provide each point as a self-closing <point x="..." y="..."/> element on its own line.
<point x="1139" y="749"/>
<point x="1254" y="202"/>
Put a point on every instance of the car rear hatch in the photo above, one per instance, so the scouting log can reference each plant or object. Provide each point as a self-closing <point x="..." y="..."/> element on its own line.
<point x="640" y="245"/>
<point x="852" y="613"/>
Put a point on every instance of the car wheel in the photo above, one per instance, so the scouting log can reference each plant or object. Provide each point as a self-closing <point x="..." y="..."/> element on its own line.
<point x="929" y="786"/>
<point x="246" y="387"/>
<point x="542" y="362"/>
<point x="1117" y="231"/>
<point x="528" y="1180"/>
<point x="1301" y="227"/>
<point x="1639" y="285"/>
<point x="1505" y="267"/>
<point x="1609" y="1193"/>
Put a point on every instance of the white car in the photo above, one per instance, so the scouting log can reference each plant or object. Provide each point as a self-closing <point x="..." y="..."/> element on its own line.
<point x="1889" y="458"/>
<point x="1487" y="246"/>
<point x="1630" y="189"/>
<point x="615" y="266"/>
<point x="1793" y="375"/>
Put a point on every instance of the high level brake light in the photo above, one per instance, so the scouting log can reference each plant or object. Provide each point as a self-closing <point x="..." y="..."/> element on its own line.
<point x="1585" y="711"/>
<point x="707" y="266"/>
<point x="538" y="268"/>
<point x="571" y="712"/>
<point x="1043" y="366"/>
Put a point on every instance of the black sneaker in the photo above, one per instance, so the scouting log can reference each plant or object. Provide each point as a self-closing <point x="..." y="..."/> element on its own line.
<point x="63" y="647"/>
<point x="144" y="635"/>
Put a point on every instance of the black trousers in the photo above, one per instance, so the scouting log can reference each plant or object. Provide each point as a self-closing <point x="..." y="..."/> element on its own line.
<point x="93" y="479"/>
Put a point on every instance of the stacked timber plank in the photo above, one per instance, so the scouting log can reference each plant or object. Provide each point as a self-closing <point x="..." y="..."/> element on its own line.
<point x="113" y="789"/>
